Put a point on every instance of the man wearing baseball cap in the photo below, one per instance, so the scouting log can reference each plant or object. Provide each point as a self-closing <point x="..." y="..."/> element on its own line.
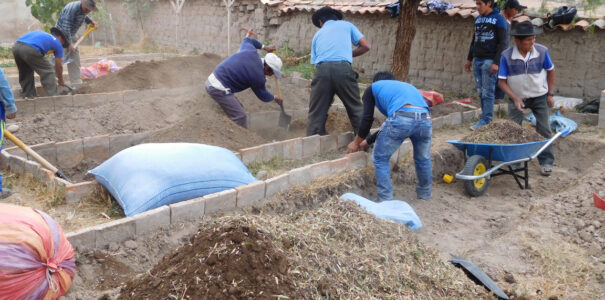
<point x="512" y="8"/>
<point x="527" y="76"/>
<point x="71" y="18"/>
<point x="242" y="70"/>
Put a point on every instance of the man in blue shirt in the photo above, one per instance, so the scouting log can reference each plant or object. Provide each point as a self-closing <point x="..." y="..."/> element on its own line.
<point x="332" y="54"/>
<point x="71" y="18"/>
<point x="30" y="51"/>
<point x="8" y="110"/>
<point x="527" y="76"/>
<point x="242" y="70"/>
<point x="489" y="40"/>
<point x="408" y="117"/>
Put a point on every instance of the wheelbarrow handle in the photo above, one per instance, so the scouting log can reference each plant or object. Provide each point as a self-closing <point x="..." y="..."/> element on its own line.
<point x="550" y="141"/>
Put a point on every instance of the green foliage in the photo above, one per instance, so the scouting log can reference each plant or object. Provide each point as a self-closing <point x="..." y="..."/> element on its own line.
<point x="101" y="17"/>
<point x="46" y="11"/>
<point x="6" y="52"/>
<point x="138" y="9"/>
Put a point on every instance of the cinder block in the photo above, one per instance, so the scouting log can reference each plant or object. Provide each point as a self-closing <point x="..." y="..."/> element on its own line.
<point x="118" y="143"/>
<point x="394" y="159"/>
<point x="89" y="100"/>
<point x="63" y="102"/>
<point x="117" y="231"/>
<point x="300" y="176"/>
<point x="344" y="139"/>
<point x="140" y="138"/>
<point x="220" y="202"/>
<point x="250" y="194"/>
<point x="602" y="110"/>
<point x="252" y="154"/>
<point x="46" y="175"/>
<point x="277" y="184"/>
<point x="293" y="148"/>
<point x="239" y="155"/>
<point x="48" y="151"/>
<point x="16" y="151"/>
<point x="455" y="118"/>
<point x="328" y="143"/>
<point x="320" y="169"/>
<point x="16" y="164"/>
<point x="439" y="122"/>
<point x="31" y="167"/>
<point x="75" y="192"/>
<point x="152" y="220"/>
<point x="311" y="145"/>
<point x="404" y="149"/>
<point x="468" y="116"/>
<point x="44" y="105"/>
<point x="96" y="148"/>
<point x="187" y="210"/>
<point x="69" y="153"/>
<point x="26" y="107"/>
<point x="358" y="160"/>
<point x="130" y="96"/>
<point x="340" y="164"/>
<point x="272" y="150"/>
<point x="83" y="239"/>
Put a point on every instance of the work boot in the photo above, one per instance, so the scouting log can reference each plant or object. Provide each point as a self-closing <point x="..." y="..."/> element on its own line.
<point x="546" y="170"/>
<point x="5" y="193"/>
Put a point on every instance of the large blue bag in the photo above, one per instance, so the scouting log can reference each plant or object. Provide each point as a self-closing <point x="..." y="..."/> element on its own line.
<point x="147" y="176"/>
<point x="557" y="122"/>
<point x="396" y="210"/>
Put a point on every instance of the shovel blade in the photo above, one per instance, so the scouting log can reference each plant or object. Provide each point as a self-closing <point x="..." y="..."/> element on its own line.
<point x="284" y="118"/>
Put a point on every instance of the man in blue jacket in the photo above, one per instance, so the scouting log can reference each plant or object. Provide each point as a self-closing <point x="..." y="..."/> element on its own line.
<point x="489" y="40"/>
<point x="332" y="54"/>
<point x="242" y="70"/>
<point x="8" y="109"/>
<point x="408" y="117"/>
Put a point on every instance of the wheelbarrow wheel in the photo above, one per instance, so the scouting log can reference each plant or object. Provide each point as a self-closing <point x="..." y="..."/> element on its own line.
<point x="475" y="165"/>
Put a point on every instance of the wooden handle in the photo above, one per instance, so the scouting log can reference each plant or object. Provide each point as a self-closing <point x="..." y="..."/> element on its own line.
<point x="29" y="151"/>
<point x="89" y="29"/>
<point x="278" y="89"/>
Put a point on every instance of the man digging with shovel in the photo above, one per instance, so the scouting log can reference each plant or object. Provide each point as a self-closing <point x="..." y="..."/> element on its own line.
<point x="242" y="70"/>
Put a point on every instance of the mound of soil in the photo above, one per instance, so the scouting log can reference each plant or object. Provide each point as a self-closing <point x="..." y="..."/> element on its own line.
<point x="227" y="262"/>
<point x="337" y="122"/>
<point x="503" y="132"/>
<point x="170" y="73"/>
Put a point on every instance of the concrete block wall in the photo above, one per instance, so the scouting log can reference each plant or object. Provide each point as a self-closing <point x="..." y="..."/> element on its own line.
<point x="601" y="120"/>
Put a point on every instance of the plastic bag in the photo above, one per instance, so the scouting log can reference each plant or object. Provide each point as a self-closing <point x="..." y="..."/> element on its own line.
<point x="99" y="69"/>
<point x="36" y="259"/>
<point x="439" y="5"/>
<point x="432" y="98"/>
<point x="566" y="103"/>
<point x="557" y="122"/>
<point x="147" y="176"/>
<point x="396" y="210"/>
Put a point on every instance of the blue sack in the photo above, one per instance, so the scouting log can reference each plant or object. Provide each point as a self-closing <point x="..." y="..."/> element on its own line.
<point x="396" y="210"/>
<point x="557" y="122"/>
<point x="147" y="176"/>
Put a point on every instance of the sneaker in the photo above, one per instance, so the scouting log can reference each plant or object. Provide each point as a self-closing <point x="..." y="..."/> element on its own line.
<point x="477" y="125"/>
<point x="546" y="170"/>
<point x="5" y="193"/>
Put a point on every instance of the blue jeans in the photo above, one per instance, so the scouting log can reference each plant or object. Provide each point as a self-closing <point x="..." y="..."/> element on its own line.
<point x="395" y="130"/>
<point x="485" y="83"/>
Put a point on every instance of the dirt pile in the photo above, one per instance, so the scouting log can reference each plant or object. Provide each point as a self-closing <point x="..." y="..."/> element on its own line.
<point x="337" y="122"/>
<point x="170" y="73"/>
<point x="232" y="260"/>
<point x="503" y="132"/>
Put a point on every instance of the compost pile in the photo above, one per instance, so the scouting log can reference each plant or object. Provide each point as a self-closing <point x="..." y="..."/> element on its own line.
<point x="224" y="262"/>
<point x="503" y="132"/>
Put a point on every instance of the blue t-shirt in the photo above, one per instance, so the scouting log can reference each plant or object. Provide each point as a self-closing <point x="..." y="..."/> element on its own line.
<point x="44" y="42"/>
<point x="333" y="40"/>
<point x="243" y="70"/>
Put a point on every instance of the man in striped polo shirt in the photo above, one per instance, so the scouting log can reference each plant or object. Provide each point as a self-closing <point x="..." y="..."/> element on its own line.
<point x="527" y="76"/>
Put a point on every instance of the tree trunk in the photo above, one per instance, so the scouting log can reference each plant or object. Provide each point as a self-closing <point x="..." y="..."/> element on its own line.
<point x="406" y="30"/>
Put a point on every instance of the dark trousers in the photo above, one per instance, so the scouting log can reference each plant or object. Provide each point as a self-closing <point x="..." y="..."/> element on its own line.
<point x="333" y="78"/>
<point x="230" y="104"/>
<point x="30" y="60"/>
<point x="539" y="107"/>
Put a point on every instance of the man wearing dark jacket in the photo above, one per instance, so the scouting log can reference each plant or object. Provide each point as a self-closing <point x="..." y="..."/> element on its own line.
<point x="242" y="70"/>
<point x="489" y="40"/>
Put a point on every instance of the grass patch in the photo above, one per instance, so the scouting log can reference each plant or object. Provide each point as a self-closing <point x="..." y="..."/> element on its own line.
<point x="9" y="64"/>
<point x="6" y="52"/>
<point x="304" y="67"/>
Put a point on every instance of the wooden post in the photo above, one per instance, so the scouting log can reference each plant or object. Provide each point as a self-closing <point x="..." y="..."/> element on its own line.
<point x="228" y="4"/>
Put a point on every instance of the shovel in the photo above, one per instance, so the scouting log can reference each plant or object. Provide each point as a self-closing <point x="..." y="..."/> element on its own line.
<point x="35" y="155"/>
<point x="89" y="29"/>
<point x="284" y="118"/>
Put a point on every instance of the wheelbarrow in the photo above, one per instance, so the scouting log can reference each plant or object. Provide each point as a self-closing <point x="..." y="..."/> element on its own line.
<point x="484" y="161"/>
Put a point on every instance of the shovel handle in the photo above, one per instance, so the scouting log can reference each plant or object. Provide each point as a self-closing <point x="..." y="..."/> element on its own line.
<point x="29" y="151"/>
<point x="278" y="88"/>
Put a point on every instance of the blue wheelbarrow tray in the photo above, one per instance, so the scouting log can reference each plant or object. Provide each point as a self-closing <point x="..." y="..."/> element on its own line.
<point x="504" y="152"/>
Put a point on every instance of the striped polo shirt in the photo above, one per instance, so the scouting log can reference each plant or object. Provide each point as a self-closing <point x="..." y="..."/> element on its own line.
<point x="526" y="76"/>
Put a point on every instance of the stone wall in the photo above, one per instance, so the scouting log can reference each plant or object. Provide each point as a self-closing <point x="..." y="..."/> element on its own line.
<point x="438" y="52"/>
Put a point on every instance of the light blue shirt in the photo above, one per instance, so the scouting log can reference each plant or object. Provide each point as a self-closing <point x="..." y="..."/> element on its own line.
<point x="6" y="97"/>
<point x="391" y="95"/>
<point x="333" y="40"/>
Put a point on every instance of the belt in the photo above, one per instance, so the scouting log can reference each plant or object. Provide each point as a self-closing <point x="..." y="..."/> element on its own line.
<point x="215" y="83"/>
<point x="333" y="62"/>
<point x="414" y="115"/>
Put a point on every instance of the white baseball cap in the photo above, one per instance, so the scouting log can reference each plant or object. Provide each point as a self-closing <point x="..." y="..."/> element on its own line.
<point x="274" y="62"/>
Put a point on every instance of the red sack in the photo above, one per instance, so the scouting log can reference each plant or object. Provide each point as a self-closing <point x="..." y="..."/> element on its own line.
<point x="432" y="98"/>
<point x="36" y="259"/>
